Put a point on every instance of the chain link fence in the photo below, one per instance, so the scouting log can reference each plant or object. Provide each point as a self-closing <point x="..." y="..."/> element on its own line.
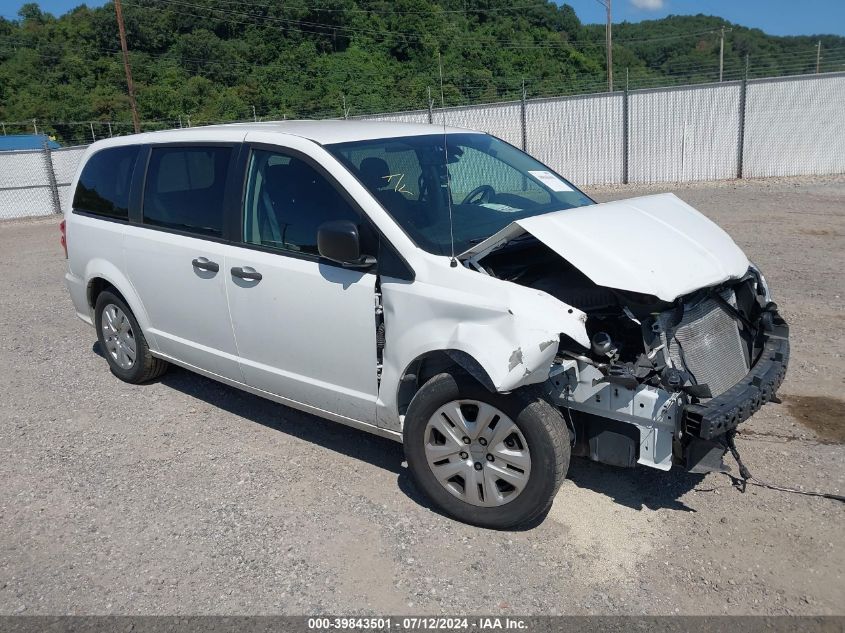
<point x="36" y="182"/>
<point x="788" y="126"/>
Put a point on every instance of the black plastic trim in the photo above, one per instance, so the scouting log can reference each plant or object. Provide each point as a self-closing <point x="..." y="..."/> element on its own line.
<point x="97" y="216"/>
<point x="136" y="190"/>
<point x="233" y="196"/>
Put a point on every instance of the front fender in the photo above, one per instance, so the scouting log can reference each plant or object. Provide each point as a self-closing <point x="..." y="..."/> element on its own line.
<point x="513" y="335"/>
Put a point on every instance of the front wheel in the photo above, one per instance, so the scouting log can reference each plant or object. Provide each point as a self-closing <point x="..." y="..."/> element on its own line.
<point x="489" y="459"/>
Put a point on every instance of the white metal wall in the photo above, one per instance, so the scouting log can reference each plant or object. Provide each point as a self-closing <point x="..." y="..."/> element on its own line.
<point x="499" y="119"/>
<point x="795" y="126"/>
<point x="412" y="116"/>
<point x="579" y="137"/>
<point x="683" y="134"/>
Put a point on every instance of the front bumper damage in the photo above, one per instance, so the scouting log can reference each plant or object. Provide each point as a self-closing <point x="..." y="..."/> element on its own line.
<point x="652" y="426"/>
<point x="705" y="424"/>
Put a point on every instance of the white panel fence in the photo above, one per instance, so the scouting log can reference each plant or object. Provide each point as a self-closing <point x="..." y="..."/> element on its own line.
<point x="787" y="126"/>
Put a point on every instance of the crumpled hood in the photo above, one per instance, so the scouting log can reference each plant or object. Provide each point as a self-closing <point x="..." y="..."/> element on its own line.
<point x="656" y="245"/>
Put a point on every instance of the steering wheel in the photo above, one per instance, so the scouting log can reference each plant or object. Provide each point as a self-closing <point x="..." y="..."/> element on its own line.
<point x="481" y="193"/>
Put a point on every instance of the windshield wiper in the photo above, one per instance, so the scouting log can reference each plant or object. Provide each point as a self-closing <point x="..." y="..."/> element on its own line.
<point x="516" y="240"/>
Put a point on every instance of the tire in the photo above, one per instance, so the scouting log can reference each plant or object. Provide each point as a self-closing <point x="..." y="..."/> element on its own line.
<point x="528" y="418"/>
<point x="117" y="345"/>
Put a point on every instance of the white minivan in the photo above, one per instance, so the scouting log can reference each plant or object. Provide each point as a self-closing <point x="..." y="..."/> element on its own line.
<point x="435" y="286"/>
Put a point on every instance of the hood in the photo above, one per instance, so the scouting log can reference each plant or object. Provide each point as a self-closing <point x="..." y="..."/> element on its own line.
<point x="656" y="245"/>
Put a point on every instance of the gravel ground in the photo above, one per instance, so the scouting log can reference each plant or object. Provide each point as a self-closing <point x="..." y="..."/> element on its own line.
<point x="185" y="496"/>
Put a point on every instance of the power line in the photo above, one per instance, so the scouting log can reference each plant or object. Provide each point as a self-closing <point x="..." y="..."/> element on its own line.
<point x="514" y="44"/>
<point x="435" y="11"/>
<point x="673" y="69"/>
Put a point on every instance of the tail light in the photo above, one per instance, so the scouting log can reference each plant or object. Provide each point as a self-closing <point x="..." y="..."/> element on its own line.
<point x="63" y="238"/>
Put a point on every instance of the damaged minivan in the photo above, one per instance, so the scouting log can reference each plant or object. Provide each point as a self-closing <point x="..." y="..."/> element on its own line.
<point x="432" y="285"/>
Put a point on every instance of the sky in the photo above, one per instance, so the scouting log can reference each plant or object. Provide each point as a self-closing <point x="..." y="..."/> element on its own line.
<point x="777" y="17"/>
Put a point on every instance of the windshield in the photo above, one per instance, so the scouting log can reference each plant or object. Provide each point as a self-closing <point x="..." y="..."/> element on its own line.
<point x="491" y="184"/>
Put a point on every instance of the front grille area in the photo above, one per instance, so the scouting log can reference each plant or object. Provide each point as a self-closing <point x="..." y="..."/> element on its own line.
<point x="707" y="344"/>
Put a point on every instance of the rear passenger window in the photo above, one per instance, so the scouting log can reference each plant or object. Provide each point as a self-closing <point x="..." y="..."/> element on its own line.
<point x="185" y="187"/>
<point x="105" y="181"/>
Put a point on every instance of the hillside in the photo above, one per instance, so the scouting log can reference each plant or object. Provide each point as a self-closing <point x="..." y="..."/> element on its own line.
<point x="214" y="60"/>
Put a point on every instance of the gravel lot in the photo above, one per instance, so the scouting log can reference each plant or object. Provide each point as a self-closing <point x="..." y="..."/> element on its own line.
<point x="185" y="496"/>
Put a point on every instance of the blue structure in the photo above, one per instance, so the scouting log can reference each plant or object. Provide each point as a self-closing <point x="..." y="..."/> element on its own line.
<point x="25" y="141"/>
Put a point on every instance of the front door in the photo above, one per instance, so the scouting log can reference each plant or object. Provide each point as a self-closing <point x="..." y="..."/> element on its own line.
<point x="305" y="328"/>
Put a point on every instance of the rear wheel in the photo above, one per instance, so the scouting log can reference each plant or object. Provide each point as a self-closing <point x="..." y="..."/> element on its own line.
<point x="122" y="341"/>
<point x="488" y="459"/>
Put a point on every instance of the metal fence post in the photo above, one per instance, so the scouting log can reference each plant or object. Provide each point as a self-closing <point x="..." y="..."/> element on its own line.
<point x="51" y="177"/>
<point x="524" y="119"/>
<point x="430" y="107"/>
<point x="740" y="150"/>
<point x="626" y="127"/>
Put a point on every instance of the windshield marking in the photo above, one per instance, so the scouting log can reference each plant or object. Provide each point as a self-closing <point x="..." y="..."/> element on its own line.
<point x="399" y="186"/>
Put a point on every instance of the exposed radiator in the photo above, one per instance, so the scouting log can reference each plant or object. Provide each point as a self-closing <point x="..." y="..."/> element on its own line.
<point x="707" y="343"/>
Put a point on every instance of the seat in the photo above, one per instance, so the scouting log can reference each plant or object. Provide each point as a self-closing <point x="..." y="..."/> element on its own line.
<point x="275" y="197"/>
<point x="374" y="173"/>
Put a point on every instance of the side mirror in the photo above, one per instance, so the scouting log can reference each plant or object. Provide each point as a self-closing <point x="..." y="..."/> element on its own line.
<point x="338" y="241"/>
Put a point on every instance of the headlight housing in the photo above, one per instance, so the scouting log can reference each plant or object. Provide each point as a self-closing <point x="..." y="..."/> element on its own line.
<point x="763" y="286"/>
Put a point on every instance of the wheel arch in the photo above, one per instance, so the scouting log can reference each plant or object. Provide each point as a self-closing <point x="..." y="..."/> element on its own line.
<point x="433" y="362"/>
<point x="101" y="275"/>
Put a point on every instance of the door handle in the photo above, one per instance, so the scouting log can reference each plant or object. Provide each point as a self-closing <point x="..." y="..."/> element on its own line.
<point x="246" y="273"/>
<point x="204" y="264"/>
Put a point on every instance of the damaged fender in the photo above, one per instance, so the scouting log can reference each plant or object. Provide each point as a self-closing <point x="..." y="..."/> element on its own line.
<point x="514" y="339"/>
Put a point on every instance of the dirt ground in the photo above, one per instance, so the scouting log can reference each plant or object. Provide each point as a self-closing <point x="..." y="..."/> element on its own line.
<point x="185" y="496"/>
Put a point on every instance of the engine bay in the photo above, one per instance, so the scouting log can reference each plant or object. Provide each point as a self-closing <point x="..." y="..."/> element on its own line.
<point x="700" y="343"/>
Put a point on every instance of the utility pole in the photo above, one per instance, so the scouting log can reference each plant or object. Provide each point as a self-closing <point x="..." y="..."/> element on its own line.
<point x="722" y="32"/>
<point x="818" y="56"/>
<point x="608" y="40"/>
<point x="136" y="122"/>
<point x="609" y="30"/>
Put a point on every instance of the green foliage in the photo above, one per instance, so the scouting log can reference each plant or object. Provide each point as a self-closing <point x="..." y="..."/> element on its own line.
<point x="214" y="60"/>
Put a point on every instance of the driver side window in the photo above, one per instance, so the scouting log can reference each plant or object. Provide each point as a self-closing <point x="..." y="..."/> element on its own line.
<point x="476" y="168"/>
<point x="286" y="202"/>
